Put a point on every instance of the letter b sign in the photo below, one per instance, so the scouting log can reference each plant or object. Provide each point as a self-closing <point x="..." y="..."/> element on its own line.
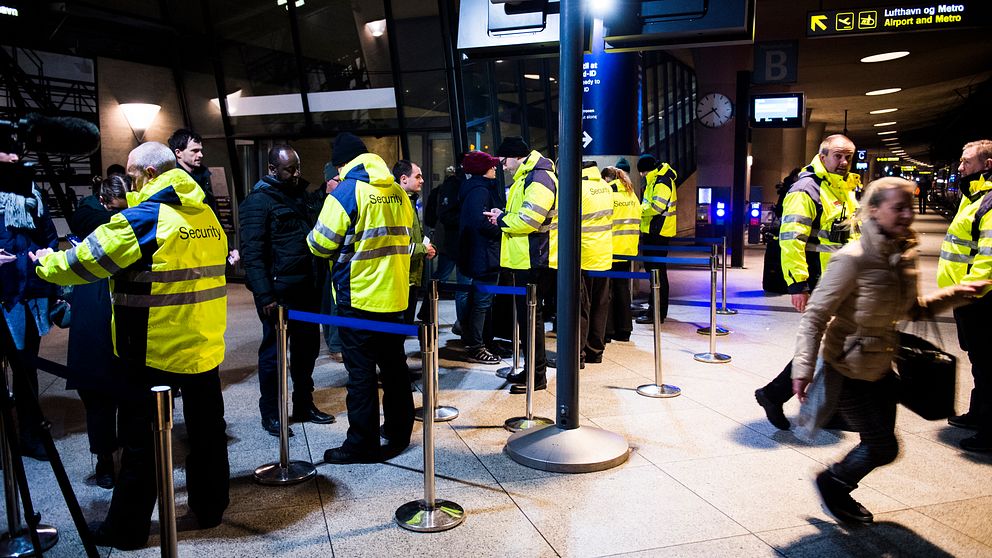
<point x="775" y="62"/>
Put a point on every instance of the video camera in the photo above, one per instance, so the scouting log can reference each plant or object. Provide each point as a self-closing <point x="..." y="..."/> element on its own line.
<point x="45" y="134"/>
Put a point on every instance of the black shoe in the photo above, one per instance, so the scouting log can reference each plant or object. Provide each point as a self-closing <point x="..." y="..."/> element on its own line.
<point x="271" y="425"/>
<point x="976" y="443"/>
<point x="623" y="337"/>
<point x="836" y="496"/>
<point x="34" y="449"/>
<point x="456" y="328"/>
<point x="540" y="382"/>
<point x="314" y="415"/>
<point x="553" y="363"/>
<point x="772" y="410"/>
<point x="501" y="350"/>
<point x="647" y="319"/>
<point x="482" y="355"/>
<point x="967" y="420"/>
<point x="594" y="359"/>
<point x="342" y="456"/>
<point x="103" y="537"/>
<point x="105" y="470"/>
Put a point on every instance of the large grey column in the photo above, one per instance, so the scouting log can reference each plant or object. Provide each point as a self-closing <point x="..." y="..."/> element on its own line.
<point x="565" y="447"/>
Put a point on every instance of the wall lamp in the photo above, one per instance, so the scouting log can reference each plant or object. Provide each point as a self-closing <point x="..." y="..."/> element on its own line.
<point x="139" y="116"/>
<point x="377" y="27"/>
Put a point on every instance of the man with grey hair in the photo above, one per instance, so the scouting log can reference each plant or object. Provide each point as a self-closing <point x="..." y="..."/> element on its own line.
<point x="166" y="254"/>
<point x="816" y="222"/>
<point x="966" y="255"/>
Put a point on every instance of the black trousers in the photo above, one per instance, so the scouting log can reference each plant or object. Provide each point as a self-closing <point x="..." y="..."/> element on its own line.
<point x="101" y="419"/>
<point x="868" y="408"/>
<point x="594" y="297"/>
<point x="779" y="390"/>
<point x="618" y="319"/>
<point x="363" y="351"/>
<point x="522" y="277"/>
<point x="304" y="345"/>
<point x="651" y="240"/>
<point x="207" y="468"/>
<point x="974" y="330"/>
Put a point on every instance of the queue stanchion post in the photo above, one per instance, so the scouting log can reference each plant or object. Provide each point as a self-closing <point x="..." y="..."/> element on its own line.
<point x="284" y="472"/>
<point x="430" y="514"/>
<point x="514" y="341"/>
<point x="168" y="540"/>
<point x="717" y="330"/>
<point x="659" y="388"/>
<point x="723" y="310"/>
<point x="442" y="413"/>
<point x="516" y="424"/>
<point x="712" y="356"/>
<point x="18" y="540"/>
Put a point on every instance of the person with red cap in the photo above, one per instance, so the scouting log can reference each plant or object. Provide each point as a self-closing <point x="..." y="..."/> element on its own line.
<point x="478" y="249"/>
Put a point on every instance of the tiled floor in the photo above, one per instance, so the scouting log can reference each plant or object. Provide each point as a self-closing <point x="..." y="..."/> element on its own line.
<point x="707" y="475"/>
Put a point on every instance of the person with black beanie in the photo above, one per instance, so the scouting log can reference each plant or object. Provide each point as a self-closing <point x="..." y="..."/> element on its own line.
<point x="657" y="220"/>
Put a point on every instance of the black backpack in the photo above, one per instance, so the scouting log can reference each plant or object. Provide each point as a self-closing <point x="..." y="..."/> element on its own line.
<point x="449" y="207"/>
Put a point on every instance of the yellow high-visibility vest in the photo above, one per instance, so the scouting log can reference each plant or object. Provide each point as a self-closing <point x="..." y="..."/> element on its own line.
<point x="966" y="253"/>
<point x="626" y="220"/>
<point x="597" y="221"/>
<point x="530" y="223"/>
<point x="658" y="204"/>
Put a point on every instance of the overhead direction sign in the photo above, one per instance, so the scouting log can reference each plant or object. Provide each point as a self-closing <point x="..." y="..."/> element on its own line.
<point x="897" y="19"/>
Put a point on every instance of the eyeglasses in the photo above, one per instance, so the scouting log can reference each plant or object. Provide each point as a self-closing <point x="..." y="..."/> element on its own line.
<point x="502" y="160"/>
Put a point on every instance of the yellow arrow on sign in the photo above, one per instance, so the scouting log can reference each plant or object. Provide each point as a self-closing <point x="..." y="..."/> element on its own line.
<point x="817" y="21"/>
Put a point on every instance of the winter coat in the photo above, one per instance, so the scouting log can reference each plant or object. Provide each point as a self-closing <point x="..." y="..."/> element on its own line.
<point x="870" y="286"/>
<point x="479" y="240"/>
<point x="18" y="281"/>
<point x="275" y="222"/>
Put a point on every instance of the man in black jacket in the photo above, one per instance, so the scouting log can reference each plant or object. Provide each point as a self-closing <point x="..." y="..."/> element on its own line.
<point x="279" y="270"/>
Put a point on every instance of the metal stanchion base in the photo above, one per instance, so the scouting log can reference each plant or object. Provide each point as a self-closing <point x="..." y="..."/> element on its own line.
<point x="441" y="414"/>
<point x="275" y="474"/>
<point x="654" y="390"/>
<point x="720" y="332"/>
<point x="712" y="358"/>
<point x="20" y="544"/>
<point x="577" y="450"/>
<point x="726" y="311"/>
<point x="516" y="424"/>
<point x="507" y="370"/>
<point x="418" y="516"/>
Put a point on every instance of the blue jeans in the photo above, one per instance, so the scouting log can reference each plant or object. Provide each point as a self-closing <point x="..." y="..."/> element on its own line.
<point x="329" y="307"/>
<point x="444" y="266"/>
<point x="477" y="308"/>
<point x="461" y="300"/>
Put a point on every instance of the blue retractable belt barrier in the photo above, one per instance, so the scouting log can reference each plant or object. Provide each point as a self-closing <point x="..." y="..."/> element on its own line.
<point x="502" y="289"/>
<point x="675" y="261"/>
<point x="60" y="370"/>
<point x="620" y="274"/>
<point x="677" y="248"/>
<point x="355" y="323"/>
<point x="492" y="289"/>
<point x="698" y="239"/>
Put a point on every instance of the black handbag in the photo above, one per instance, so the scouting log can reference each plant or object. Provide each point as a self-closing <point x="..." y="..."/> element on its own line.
<point x="928" y="377"/>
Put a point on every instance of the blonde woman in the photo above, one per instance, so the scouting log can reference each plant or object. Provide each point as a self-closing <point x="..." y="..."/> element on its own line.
<point x="871" y="284"/>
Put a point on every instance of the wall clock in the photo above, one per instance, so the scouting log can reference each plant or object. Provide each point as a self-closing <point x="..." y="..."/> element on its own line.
<point x="714" y="110"/>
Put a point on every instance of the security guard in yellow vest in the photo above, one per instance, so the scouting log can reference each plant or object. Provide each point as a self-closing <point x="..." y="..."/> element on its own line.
<point x="658" y="220"/>
<point x="966" y="255"/>
<point x="597" y="255"/>
<point x="626" y="232"/>
<point x="364" y="229"/>
<point x="530" y="236"/>
<point x="166" y="255"/>
<point x="817" y="217"/>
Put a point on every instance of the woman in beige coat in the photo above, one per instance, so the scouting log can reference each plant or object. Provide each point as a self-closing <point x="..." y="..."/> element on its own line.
<point x="870" y="286"/>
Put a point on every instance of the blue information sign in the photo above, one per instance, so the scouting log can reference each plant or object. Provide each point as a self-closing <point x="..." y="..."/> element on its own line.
<point x="609" y="100"/>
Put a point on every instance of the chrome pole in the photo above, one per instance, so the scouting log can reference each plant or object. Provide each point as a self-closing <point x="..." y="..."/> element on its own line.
<point x="723" y="282"/>
<point x="163" y="461"/>
<point x="429" y="515"/>
<point x="17" y="540"/>
<point x="442" y="413"/>
<point x="658" y="388"/>
<point x="712" y="356"/>
<point x="285" y="471"/>
<point x="714" y="262"/>
<point x="516" y="424"/>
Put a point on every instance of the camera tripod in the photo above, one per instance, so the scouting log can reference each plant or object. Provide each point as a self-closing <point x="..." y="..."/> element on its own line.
<point x="36" y="538"/>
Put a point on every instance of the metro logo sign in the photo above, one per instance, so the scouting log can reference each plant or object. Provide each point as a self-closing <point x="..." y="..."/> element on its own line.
<point x="914" y="17"/>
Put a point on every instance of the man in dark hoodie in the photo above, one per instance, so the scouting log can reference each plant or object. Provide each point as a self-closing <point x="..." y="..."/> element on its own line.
<point x="478" y="248"/>
<point x="279" y="270"/>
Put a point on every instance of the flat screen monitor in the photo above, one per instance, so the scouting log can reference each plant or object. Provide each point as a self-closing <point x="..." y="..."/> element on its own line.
<point x="778" y="110"/>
